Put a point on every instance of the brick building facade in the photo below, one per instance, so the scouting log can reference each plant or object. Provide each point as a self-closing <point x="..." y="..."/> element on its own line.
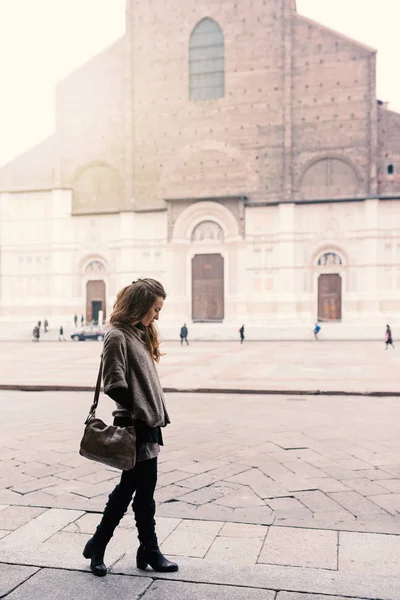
<point x="235" y="150"/>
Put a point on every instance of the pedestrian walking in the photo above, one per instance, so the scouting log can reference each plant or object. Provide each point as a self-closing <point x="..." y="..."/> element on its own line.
<point x="184" y="335"/>
<point x="36" y="333"/>
<point x="46" y="325"/>
<point x="317" y="329"/>
<point x="241" y="332"/>
<point x="388" y="337"/>
<point x="39" y="324"/>
<point x="76" y="320"/>
<point x="61" y="337"/>
<point x="82" y="320"/>
<point x="131" y="347"/>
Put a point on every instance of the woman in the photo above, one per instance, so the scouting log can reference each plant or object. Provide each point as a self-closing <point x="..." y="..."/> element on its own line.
<point x="388" y="337"/>
<point x="131" y="349"/>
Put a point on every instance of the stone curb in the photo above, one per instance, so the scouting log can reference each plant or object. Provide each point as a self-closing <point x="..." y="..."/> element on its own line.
<point x="172" y="390"/>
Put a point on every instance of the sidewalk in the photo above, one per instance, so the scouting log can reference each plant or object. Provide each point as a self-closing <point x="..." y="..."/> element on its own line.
<point x="350" y="367"/>
<point x="258" y="497"/>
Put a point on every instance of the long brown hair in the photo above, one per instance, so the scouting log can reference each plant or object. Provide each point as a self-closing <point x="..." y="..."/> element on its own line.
<point x="133" y="303"/>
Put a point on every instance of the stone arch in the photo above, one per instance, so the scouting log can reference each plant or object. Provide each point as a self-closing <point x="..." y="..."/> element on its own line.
<point x="97" y="188"/>
<point x="205" y="211"/>
<point x="329" y="177"/>
<point x="86" y="261"/>
<point x="325" y="250"/>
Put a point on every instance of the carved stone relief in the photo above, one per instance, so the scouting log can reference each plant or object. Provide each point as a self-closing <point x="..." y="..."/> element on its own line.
<point x="207" y="232"/>
<point x="95" y="270"/>
<point x="329" y="259"/>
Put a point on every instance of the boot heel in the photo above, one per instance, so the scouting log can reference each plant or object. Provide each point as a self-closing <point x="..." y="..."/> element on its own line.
<point x="141" y="564"/>
<point x="86" y="551"/>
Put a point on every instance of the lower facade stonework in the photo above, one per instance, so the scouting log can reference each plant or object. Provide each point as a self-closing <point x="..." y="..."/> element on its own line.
<point x="286" y="267"/>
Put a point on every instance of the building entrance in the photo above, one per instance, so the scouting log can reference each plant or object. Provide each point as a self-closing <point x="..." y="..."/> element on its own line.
<point x="95" y="300"/>
<point x="208" y="287"/>
<point x="330" y="297"/>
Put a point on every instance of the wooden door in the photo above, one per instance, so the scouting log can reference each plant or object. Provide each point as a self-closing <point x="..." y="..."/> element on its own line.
<point x="95" y="299"/>
<point x="208" y="287"/>
<point x="330" y="298"/>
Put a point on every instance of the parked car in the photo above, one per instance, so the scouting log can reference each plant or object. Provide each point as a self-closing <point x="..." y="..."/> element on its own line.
<point x="88" y="334"/>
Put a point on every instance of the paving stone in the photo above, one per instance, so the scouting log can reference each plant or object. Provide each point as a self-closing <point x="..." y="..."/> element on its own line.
<point x="364" y="486"/>
<point x="300" y="547"/>
<point x="35" y="484"/>
<point x="304" y="469"/>
<point x="262" y="485"/>
<point x="285" y="507"/>
<point x="169" y="492"/>
<point x="374" y="554"/>
<point x="178" y="509"/>
<point x="192" y="538"/>
<point x="172" y="477"/>
<point x="172" y="590"/>
<point x="202" y="496"/>
<point x="41" y="470"/>
<point x="242" y="498"/>
<point x="244" y="530"/>
<point x="214" y="512"/>
<point x="261" y="515"/>
<point x="205" y="466"/>
<point x="86" y="524"/>
<point x="375" y="474"/>
<point x="301" y="596"/>
<point x="199" y="481"/>
<point x="393" y="485"/>
<point x="86" y="468"/>
<point x="295" y="483"/>
<point x="100" y="476"/>
<point x="14" y="516"/>
<point x="49" y="584"/>
<point x="328" y="484"/>
<point x="356" y="504"/>
<point x="41" y="528"/>
<point x="234" y="550"/>
<point x="272" y="468"/>
<point x="319" y="502"/>
<point x="342" y="474"/>
<point x="12" y="576"/>
<point x="389" y="502"/>
<point x="354" y="464"/>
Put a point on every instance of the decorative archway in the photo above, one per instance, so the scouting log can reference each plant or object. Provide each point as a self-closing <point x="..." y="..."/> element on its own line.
<point x="329" y="266"/>
<point x="329" y="177"/>
<point x="95" y="275"/>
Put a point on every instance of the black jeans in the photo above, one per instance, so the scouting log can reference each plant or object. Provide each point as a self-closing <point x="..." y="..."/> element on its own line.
<point x="139" y="482"/>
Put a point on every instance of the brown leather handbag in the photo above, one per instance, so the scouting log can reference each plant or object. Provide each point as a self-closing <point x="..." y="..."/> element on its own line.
<point x="113" y="446"/>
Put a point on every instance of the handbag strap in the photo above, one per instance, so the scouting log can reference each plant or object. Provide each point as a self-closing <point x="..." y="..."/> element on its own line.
<point x="92" y="412"/>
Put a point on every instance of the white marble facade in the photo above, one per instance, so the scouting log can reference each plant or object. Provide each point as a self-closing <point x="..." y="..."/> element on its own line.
<point x="270" y="275"/>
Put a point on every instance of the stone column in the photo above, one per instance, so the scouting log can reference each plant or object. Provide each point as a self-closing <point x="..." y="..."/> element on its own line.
<point x="287" y="23"/>
<point x="285" y="240"/>
<point x="371" y="255"/>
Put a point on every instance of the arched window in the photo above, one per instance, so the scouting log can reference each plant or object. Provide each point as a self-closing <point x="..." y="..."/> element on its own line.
<point x="206" y="61"/>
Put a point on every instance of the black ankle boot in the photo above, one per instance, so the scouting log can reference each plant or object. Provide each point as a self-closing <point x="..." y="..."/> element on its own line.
<point x="152" y="555"/>
<point x="95" y="551"/>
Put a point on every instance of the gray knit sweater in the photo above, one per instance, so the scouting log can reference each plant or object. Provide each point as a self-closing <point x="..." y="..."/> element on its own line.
<point x="127" y="364"/>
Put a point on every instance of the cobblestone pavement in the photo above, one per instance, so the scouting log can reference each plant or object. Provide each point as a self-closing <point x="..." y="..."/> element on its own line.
<point x="331" y="366"/>
<point x="259" y="497"/>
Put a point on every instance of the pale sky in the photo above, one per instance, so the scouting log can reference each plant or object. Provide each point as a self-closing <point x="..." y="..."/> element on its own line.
<point x="41" y="41"/>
